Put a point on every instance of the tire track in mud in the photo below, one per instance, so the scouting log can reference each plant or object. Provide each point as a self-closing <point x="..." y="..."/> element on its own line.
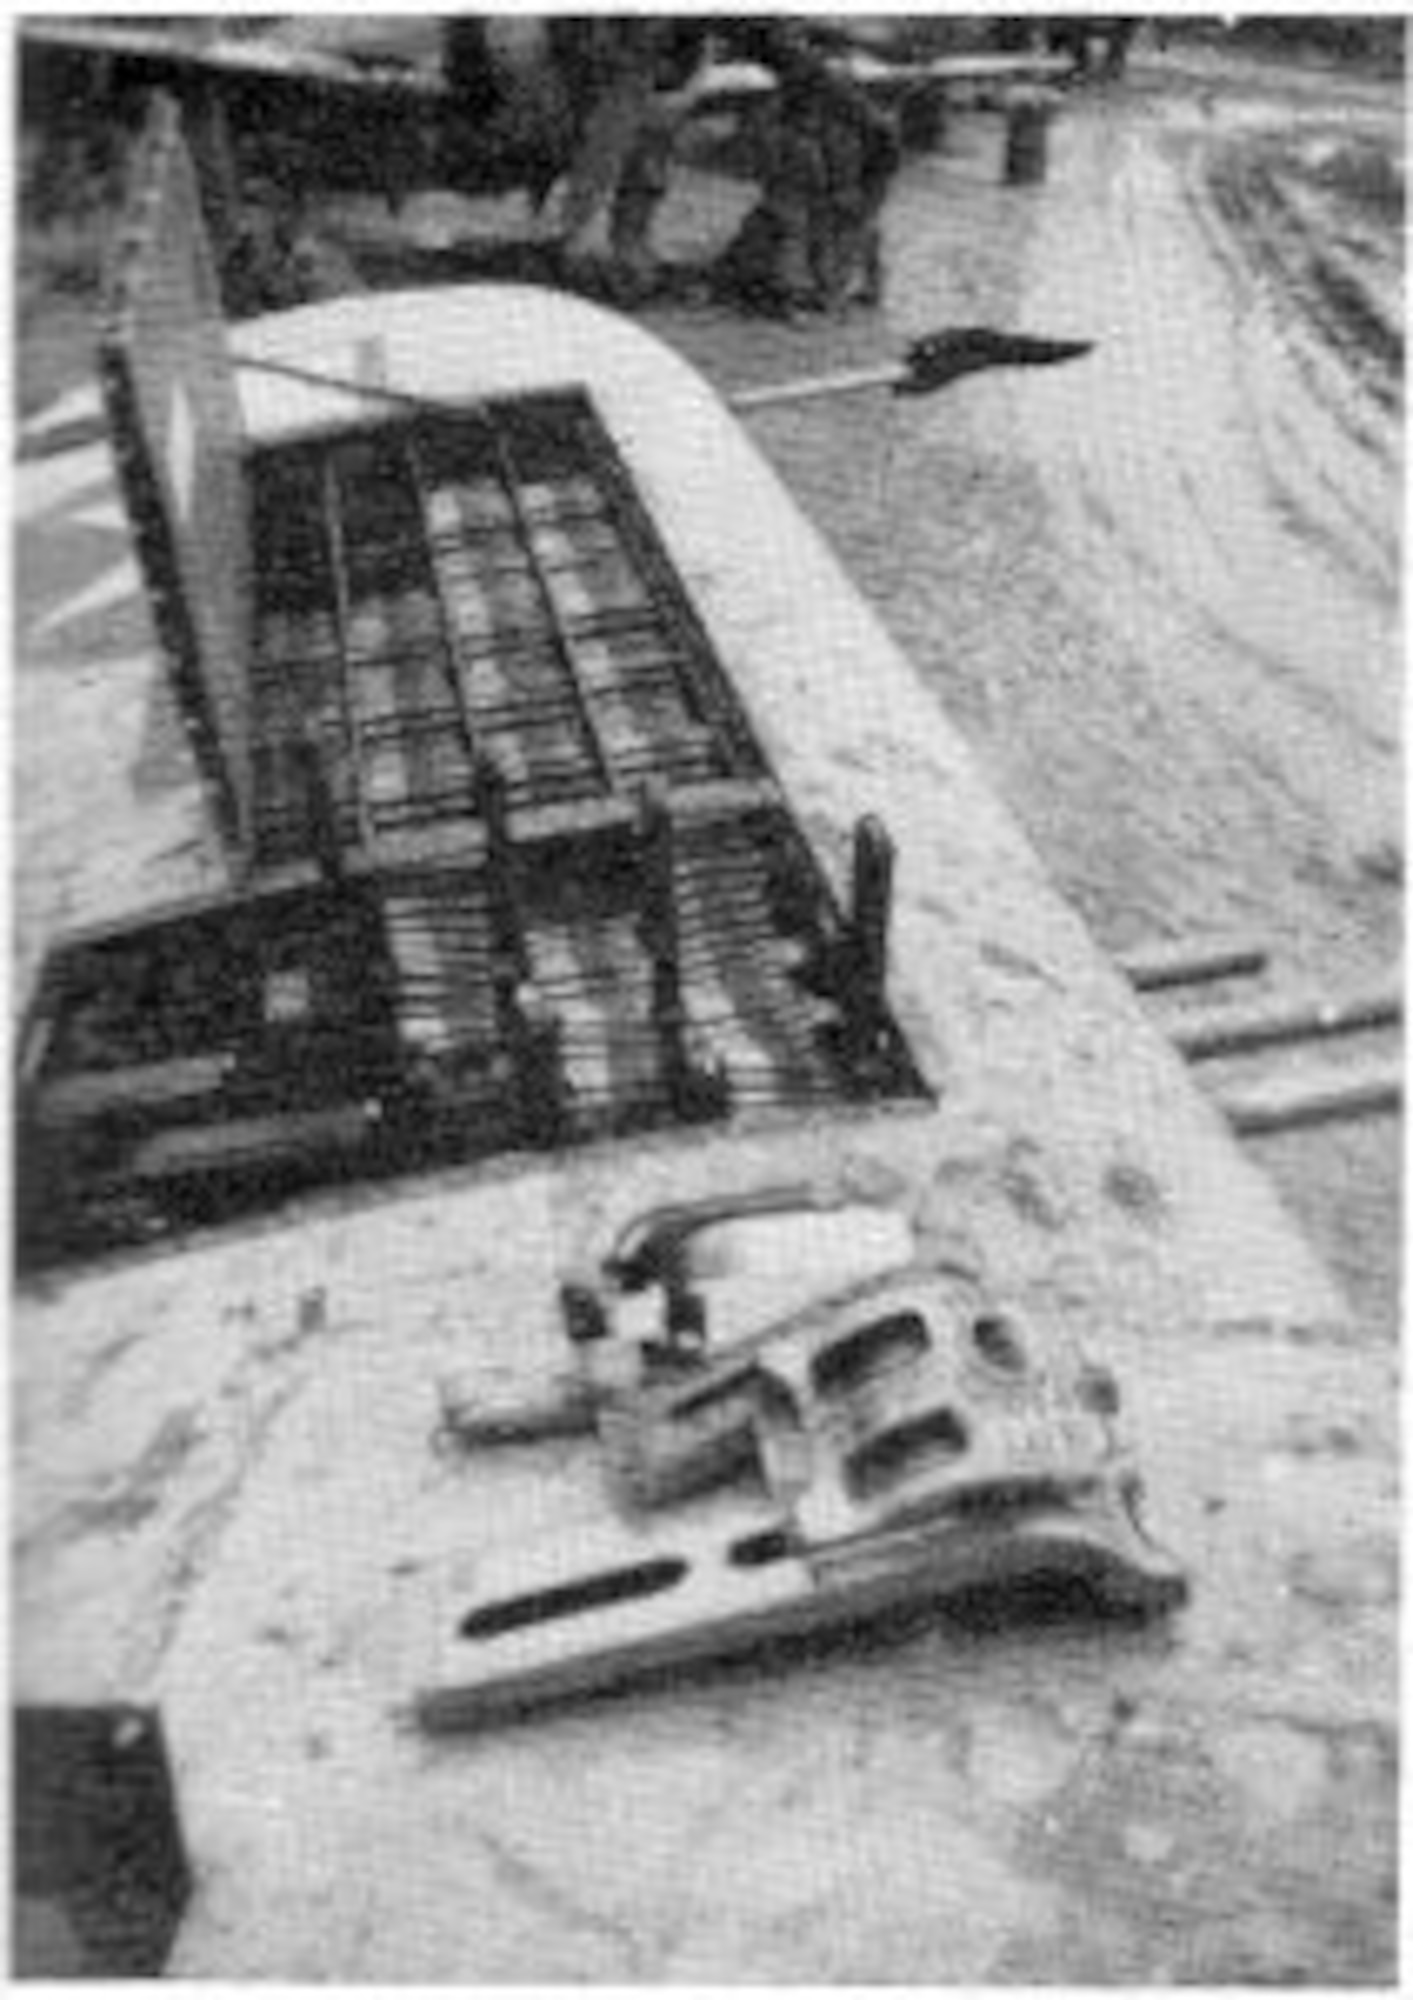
<point x="1341" y="473"/>
<point x="1181" y="513"/>
<point x="1267" y="193"/>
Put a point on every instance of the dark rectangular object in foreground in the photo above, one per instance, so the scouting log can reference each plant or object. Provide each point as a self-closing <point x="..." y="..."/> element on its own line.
<point x="101" y="1876"/>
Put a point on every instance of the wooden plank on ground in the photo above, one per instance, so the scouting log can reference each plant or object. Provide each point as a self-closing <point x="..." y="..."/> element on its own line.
<point x="1336" y="1093"/>
<point x="1235" y="1030"/>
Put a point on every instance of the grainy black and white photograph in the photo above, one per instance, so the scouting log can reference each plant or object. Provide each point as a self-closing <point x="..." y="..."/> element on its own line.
<point x="707" y="876"/>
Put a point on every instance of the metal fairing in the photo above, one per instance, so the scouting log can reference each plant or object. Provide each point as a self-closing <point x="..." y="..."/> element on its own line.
<point x="909" y="1439"/>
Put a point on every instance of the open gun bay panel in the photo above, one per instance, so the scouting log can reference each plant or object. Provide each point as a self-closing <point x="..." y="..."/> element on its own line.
<point x="510" y="867"/>
<point x="517" y="873"/>
<point x="486" y="585"/>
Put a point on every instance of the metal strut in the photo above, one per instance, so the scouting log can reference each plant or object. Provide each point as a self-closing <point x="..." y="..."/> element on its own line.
<point x="931" y="362"/>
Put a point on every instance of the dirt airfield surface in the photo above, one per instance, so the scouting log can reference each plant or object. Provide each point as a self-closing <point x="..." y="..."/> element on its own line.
<point x="1157" y="590"/>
